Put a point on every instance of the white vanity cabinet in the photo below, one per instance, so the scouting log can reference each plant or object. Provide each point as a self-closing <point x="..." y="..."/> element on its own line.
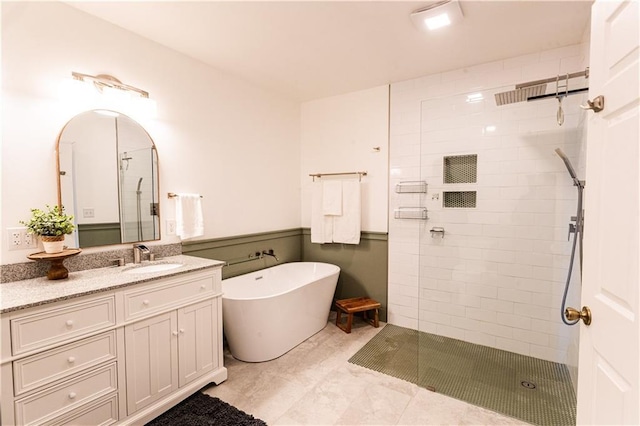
<point x="122" y="356"/>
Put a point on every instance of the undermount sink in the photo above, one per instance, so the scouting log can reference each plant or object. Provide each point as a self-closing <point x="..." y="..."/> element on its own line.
<point x="156" y="267"/>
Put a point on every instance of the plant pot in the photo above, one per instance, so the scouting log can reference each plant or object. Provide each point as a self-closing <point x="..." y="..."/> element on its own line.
<point x="53" y="244"/>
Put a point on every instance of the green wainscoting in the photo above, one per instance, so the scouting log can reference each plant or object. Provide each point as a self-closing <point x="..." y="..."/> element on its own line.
<point x="363" y="267"/>
<point x="236" y="250"/>
<point x="98" y="234"/>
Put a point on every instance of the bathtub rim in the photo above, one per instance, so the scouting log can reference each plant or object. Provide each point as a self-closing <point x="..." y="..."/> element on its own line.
<point x="244" y="299"/>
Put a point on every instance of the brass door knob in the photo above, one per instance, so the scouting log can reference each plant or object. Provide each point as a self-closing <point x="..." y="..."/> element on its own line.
<point x="572" y="314"/>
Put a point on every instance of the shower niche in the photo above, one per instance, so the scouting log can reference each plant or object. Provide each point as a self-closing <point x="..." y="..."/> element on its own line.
<point x="459" y="170"/>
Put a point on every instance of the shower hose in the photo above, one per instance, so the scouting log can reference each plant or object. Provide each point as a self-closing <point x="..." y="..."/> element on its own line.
<point x="577" y="234"/>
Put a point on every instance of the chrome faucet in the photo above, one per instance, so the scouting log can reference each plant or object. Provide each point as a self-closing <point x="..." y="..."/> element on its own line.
<point x="270" y="253"/>
<point x="138" y="251"/>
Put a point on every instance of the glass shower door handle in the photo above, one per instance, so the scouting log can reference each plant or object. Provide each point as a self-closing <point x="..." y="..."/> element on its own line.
<point x="572" y="314"/>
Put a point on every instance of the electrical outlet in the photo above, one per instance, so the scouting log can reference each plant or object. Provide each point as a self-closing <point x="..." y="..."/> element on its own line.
<point x="29" y="240"/>
<point x="19" y="239"/>
<point x="171" y="227"/>
<point x="88" y="213"/>
<point x="14" y="238"/>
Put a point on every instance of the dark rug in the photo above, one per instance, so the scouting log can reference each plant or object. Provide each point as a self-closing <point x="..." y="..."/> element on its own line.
<point x="203" y="410"/>
<point x="529" y="389"/>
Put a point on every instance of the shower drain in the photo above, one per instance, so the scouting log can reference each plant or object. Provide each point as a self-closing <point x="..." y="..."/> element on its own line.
<point x="528" y="385"/>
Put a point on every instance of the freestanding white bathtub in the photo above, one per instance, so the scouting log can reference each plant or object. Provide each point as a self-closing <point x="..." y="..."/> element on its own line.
<point x="269" y="312"/>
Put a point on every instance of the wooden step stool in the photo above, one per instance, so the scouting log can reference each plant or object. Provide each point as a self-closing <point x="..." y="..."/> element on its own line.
<point x="353" y="305"/>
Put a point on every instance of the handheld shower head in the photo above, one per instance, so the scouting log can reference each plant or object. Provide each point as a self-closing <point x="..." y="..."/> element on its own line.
<point x="570" y="168"/>
<point x="567" y="163"/>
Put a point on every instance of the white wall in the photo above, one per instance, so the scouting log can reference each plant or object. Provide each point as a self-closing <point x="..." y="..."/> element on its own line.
<point x="235" y="144"/>
<point x="339" y="134"/>
<point x="497" y="277"/>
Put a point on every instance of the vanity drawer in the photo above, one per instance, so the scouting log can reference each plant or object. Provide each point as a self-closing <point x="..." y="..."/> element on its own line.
<point x="64" y="397"/>
<point x="46" y="367"/>
<point x="36" y="331"/>
<point x="163" y="296"/>
<point x="100" y="413"/>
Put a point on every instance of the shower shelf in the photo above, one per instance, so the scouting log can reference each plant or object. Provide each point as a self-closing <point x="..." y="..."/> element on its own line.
<point x="410" y="213"/>
<point x="411" y="187"/>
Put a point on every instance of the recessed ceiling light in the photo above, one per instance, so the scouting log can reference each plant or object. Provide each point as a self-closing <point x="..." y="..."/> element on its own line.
<point x="474" y="97"/>
<point x="490" y="128"/>
<point x="437" y="15"/>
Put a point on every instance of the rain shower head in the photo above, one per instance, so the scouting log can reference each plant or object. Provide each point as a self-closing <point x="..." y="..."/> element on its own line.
<point x="520" y="94"/>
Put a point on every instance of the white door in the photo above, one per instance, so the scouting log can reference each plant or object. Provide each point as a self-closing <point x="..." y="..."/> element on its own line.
<point x="609" y="370"/>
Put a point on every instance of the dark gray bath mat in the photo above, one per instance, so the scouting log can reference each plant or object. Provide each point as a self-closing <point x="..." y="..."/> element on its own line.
<point x="203" y="410"/>
<point x="529" y="389"/>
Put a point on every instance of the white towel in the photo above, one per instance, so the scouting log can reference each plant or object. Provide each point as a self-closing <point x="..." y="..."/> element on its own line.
<point x="346" y="228"/>
<point x="332" y="198"/>
<point x="321" y="225"/>
<point x="189" y="221"/>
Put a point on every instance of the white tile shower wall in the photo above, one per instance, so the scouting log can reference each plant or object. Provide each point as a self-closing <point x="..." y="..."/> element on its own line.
<point x="497" y="276"/>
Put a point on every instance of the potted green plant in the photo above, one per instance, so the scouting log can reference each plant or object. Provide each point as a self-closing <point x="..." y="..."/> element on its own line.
<point x="51" y="226"/>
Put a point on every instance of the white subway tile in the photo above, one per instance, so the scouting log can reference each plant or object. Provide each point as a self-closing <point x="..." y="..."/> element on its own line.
<point x="465" y="323"/>
<point x="405" y="301"/>
<point x="534" y="337"/>
<point x="481" y="314"/>
<point x="548" y="354"/>
<point x="435" y="317"/>
<point x="516" y="321"/>
<point x="463" y="299"/>
<point x="435" y="295"/>
<point x="514" y="295"/>
<point x="511" y="345"/>
<point x="448" y="331"/>
<point x="495" y="305"/>
<point x="480" y="338"/>
<point x="428" y="327"/>
<point x="402" y="321"/>
<point x="497" y="330"/>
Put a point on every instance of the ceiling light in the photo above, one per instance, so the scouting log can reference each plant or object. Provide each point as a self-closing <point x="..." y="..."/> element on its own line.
<point x="437" y="15"/>
<point x="474" y="97"/>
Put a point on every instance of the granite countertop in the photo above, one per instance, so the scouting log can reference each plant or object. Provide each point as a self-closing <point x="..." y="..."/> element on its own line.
<point x="39" y="291"/>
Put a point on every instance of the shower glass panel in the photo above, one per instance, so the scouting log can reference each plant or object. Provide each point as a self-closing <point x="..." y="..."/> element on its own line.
<point x="495" y="276"/>
<point x="138" y="206"/>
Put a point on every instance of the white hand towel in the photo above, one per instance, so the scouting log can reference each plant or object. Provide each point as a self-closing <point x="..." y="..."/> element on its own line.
<point x="189" y="221"/>
<point x="321" y="225"/>
<point x="332" y="198"/>
<point x="346" y="228"/>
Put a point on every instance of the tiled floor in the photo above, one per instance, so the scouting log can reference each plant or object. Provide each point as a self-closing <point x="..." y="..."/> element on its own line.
<point x="313" y="384"/>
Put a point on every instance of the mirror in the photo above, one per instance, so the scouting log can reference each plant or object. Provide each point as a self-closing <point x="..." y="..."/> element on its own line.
<point x="108" y="179"/>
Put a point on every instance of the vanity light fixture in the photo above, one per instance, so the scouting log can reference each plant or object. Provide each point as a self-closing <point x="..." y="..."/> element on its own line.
<point x="101" y="81"/>
<point x="437" y="15"/>
<point x="117" y="96"/>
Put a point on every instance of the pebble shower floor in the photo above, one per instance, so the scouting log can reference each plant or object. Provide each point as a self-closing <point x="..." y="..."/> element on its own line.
<point x="529" y="389"/>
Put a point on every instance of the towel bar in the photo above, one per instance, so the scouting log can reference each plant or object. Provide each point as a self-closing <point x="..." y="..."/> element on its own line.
<point x="174" y="195"/>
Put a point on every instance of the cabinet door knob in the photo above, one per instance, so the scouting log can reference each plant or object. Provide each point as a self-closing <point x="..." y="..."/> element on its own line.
<point x="175" y="333"/>
<point x="202" y="287"/>
<point x="72" y="395"/>
<point x="69" y="323"/>
<point x="71" y="359"/>
<point x="182" y="330"/>
<point x="145" y="302"/>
